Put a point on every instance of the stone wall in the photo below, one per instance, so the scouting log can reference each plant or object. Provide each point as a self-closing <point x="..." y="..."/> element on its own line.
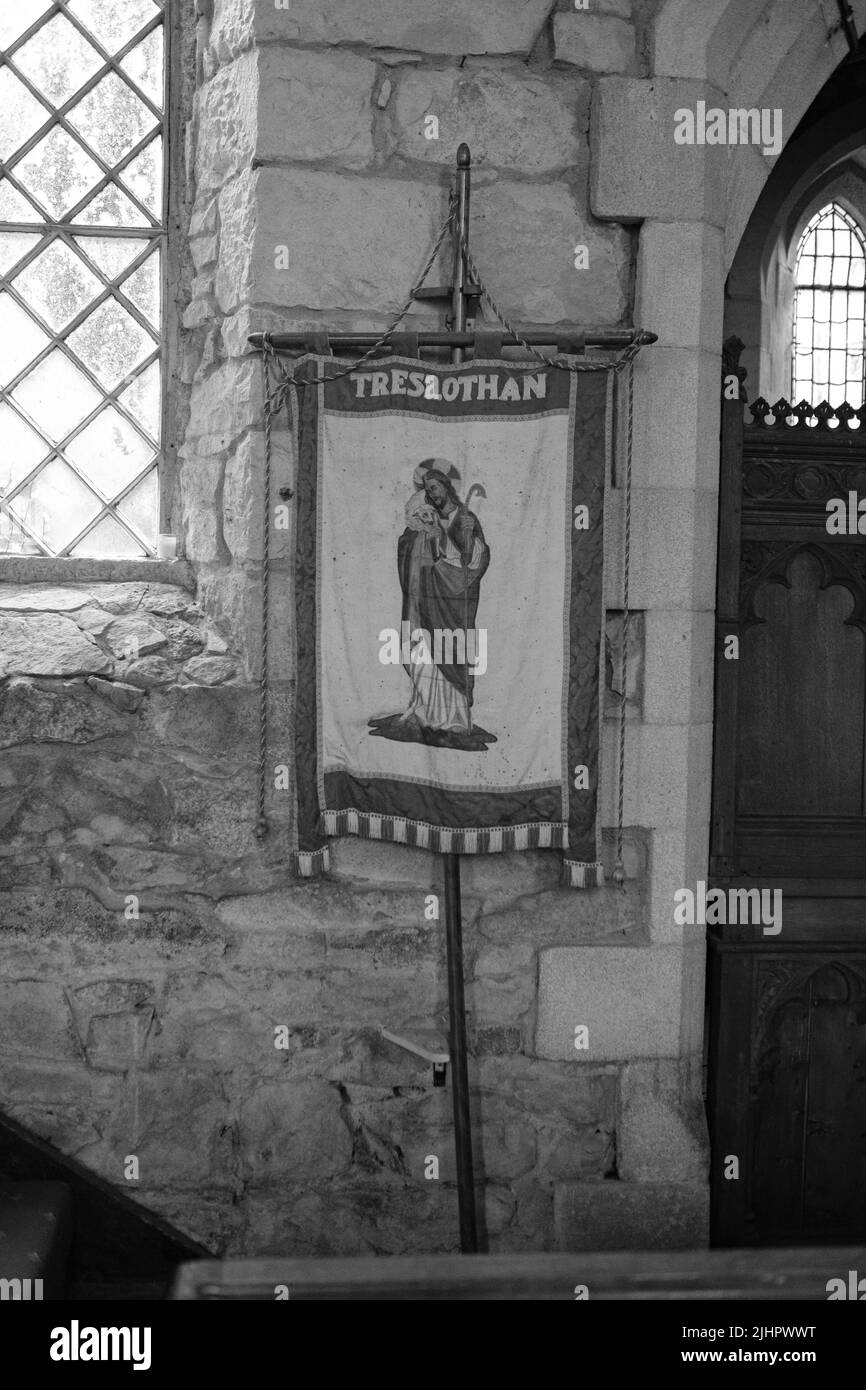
<point x="169" y="993"/>
<point x="310" y="149"/>
<point x="154" y="952"/>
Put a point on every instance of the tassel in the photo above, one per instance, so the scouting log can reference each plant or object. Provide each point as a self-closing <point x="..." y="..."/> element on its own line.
<point x="581" y="875"/>
<point x="309" y="863"/>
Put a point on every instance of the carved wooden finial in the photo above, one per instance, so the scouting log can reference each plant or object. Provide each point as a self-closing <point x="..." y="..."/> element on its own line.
<point x="731" y="349"/>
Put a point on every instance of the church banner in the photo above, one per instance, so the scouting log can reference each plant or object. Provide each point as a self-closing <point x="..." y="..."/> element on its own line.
<point x="449" y="607"/>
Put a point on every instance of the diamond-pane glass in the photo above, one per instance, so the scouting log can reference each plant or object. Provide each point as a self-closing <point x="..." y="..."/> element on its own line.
<point x="829" y="326"/>
<point x="56" y="504"/>
<point x="16" y="18"/>
<point x="13" y="246"/>
<point x="109" y="538"/>
<point x="145" y="66"/>
<point x="20" y="339"/>
<point x="58" y="60"/>
<point x="112" y="119"/>
<point x="111" y="208"/>
<point x="111" y="253"/>
<point x="14" y="540"/>
<point x="139" y="506"/>
<point x="111" y="343"/>
<point x="113" y="22"/>
<point x="57" y="285"/>
<point x="143" y="288"/>
<point x="21" y="115"/>
<point x="56" y="395"/>
<point x="58" y="172"/>
<point x="22" y="449"/>
<point x="82" y="233"/>
<point x="142" y="399"/>
<point x="109" y="452"/>
<point x="14" y="207"/>
<point x="144" y="176"/>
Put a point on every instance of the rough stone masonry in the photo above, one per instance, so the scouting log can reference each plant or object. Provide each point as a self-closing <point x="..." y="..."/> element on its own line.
<point x="167" y="989"/>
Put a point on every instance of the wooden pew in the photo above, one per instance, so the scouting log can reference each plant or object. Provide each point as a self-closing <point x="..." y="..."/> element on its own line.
<point x="800" y="1274"/>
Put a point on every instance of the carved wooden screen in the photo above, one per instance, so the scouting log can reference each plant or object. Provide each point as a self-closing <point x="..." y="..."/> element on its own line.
<point x="793" y="764"/>
<point x="787" y="1009"/>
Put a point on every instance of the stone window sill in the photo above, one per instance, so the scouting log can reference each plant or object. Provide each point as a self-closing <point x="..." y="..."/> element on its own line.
<point x="44" y="569"/>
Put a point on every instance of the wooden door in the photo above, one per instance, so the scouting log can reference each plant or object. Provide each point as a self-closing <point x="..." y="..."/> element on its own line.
<point x="787" y="1009"/>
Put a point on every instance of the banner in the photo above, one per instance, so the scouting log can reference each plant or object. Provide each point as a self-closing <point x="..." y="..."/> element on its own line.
<point x="449" y="607"/>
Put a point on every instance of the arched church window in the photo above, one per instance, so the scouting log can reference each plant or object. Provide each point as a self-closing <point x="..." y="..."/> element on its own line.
<point x="830" y="310"/>
<point x="83" y="229"/>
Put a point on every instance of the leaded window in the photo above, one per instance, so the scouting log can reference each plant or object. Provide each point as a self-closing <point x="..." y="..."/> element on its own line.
<point x="829" y="310"/>
<point x="82" y="247"/>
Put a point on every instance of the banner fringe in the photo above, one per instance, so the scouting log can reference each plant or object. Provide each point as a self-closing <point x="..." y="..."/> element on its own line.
<point x="577" y="875"/>
<point x="444" y="839"/>
<point x="311" y="863"/>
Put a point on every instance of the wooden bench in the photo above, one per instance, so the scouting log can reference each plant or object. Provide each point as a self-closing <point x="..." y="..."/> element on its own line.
<point x="620" y="1275"/>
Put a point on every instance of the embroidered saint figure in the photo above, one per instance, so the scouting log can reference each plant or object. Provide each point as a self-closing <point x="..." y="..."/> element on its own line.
<point x="442" y="557"/>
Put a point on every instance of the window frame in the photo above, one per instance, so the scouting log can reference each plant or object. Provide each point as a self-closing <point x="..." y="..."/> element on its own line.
<point x="832" y="207"/>
<point x="165" y="234"/>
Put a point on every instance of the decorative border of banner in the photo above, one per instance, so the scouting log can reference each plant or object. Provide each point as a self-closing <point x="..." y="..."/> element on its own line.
<point x="438" y="840"/>
<point x="441" y="839"/>
<point x="589" y="422"/>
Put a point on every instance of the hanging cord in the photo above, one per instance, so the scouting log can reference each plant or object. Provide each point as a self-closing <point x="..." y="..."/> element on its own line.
<point x="277" y="384"/>
<point x="288" y="382"/>
<point x="270" y="409"/>
<point x="627" y="355"/>
<point x="625" y="361"/>
<point x="619" y="867"/>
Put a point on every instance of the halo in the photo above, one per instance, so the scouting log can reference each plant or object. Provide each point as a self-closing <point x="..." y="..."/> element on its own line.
<point x="441" y="465"/>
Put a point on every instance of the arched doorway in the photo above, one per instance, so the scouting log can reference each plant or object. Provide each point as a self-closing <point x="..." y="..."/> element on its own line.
<point x="787" y="1012"/>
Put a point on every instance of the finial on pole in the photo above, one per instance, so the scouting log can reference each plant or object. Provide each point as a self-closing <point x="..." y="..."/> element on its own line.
<point x="464" y="158"/>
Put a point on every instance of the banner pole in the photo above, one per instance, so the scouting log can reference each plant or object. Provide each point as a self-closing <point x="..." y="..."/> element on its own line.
<point x="457" y="1045"/>
<point x="458" y="340"/>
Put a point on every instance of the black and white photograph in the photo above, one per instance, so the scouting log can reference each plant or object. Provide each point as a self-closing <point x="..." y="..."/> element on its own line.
<point x="432" y="674"/>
